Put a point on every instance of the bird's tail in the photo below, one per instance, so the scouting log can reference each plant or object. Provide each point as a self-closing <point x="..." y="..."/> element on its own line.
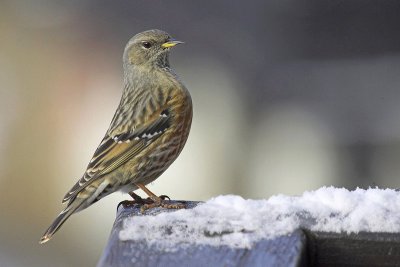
<point x="61" y="218"/>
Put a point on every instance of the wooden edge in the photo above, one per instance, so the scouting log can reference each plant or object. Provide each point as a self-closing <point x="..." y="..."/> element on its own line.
<point x="353" y="249"/>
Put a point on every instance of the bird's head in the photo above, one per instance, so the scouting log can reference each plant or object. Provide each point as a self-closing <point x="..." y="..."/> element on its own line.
<point x="149" y="48"/>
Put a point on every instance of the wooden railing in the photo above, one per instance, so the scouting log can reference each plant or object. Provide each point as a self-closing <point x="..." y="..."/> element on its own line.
<point x="302" y="247"/>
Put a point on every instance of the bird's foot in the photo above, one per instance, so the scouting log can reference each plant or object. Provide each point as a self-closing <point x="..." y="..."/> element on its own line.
<point x="163" y="203"/>
<point x="137" y="200"/>
<point x="160" y="201"/>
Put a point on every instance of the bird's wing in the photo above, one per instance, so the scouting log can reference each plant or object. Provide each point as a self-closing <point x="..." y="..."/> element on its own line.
<point x="118" y="147"/>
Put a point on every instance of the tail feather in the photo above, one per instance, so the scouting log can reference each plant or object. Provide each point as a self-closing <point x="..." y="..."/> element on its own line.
<point x="87" y="197"/>
<point x="58" y="222"/>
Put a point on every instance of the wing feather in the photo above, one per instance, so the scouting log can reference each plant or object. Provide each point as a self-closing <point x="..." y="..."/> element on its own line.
<point x="116" y="150"/>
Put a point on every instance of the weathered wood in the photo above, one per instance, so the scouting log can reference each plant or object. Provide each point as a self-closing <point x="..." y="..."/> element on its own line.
<point x="300" y="248"/>
<point x="362" y="249"/>
<point x="282" y="251"/>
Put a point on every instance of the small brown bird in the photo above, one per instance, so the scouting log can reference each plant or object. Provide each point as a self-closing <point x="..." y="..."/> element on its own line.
<point x="147" y="133"/>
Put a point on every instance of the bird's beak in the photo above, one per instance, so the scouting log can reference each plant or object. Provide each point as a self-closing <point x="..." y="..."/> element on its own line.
<point x="171" y="43"/>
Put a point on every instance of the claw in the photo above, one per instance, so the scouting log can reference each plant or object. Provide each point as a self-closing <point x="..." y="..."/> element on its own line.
<point x="126" y="203"/>
<point x="164" y="197"/>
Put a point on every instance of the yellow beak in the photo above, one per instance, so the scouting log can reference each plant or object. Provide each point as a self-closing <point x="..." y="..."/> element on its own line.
<point x="171" y="43"/>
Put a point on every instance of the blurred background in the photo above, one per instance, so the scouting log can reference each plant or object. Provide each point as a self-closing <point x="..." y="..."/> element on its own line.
<point x="288" y="96"/>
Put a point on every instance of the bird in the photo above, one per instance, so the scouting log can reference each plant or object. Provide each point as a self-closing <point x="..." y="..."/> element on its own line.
<point x="147" y="133"/>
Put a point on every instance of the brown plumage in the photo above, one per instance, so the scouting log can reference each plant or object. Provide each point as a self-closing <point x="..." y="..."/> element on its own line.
<point x="147" y="133"/>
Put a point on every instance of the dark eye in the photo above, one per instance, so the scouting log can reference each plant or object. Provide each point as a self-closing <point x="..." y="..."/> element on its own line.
<point x="146" y="45"/>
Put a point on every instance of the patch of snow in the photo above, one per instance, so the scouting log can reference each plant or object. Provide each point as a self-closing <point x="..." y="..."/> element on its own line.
<point x="239" y="223"/>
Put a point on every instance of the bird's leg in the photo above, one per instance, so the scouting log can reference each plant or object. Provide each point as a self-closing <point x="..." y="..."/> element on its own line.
<point x="136" y="198"/>
<point x="151" y="195"/>
<point x="139" y="200"/>
<point x="158" y="201"/>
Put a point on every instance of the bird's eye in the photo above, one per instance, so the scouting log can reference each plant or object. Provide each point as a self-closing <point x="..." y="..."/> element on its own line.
<point x="146" y="45"/>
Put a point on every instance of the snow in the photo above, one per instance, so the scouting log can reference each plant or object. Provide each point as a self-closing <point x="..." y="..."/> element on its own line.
<point x="239" y="223"/>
